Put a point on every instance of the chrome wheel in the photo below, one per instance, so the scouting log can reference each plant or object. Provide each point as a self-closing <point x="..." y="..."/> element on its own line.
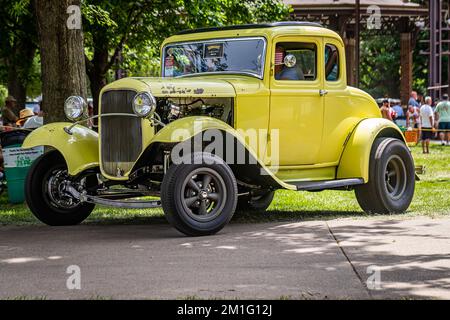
<point x="55" y="188"/>
<point x="395" y="177"/>
<point x="204" y="194"/>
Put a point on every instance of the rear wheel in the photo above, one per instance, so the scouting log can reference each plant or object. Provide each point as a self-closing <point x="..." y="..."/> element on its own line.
<point x="391" y="178"/>
<point x="199" y="198"/>
<point x="46" y="196"/>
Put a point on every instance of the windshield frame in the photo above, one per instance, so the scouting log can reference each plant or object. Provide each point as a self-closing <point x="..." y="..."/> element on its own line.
<point x="258" y="76"/>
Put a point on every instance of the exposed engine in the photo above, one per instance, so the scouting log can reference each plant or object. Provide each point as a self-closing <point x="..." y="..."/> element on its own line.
<point x="171" y="109"/>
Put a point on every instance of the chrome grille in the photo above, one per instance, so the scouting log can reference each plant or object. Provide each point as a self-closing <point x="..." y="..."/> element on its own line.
<point x="121" y="136"/>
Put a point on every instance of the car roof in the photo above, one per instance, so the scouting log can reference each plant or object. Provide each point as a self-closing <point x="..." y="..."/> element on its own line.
<point x="254" y="26"/>
<point x="267" y="30"/>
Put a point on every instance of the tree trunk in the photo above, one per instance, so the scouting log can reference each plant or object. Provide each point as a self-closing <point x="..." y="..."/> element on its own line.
<point x="62" y="57"/>
<point x="19" y="65"/>
<point x="97" y="73"/>
<point x="16" y="88"/>
<point x="97" y="83"/>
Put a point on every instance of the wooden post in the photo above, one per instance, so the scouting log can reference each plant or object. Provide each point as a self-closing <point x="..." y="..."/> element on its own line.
<point x="358" y="41"/>
<point x="406" y="61"/>
<point x="350" y="44"/>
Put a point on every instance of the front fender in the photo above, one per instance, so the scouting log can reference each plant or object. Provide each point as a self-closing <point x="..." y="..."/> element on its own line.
<point x="187" y="128"/>
<point x="355" y="159"/>
<point x="79" y="149"/>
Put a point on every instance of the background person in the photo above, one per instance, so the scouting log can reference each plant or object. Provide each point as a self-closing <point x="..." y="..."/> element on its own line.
<point x="413" y="100"/>
<point x="400" y="118"/>
<point x="413" y="118"/>
<point x="442" y="114"/>
<point x="24" y="115"/>
<point x="420" y="100"/>
<point x="427" y="121"/>
<point x="35" y="121"/>
<point x="8" y="115"/>
<point x="386" y="110"/>
<point x="399" y="110"/>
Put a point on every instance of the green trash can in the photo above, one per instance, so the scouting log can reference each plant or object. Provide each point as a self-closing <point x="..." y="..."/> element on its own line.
<point x="17" y="162"/>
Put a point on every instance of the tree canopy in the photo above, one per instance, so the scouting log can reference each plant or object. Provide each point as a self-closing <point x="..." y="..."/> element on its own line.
<point x="123" y="38"/>
<point x="18" y="45"/>
<point x="126" y="35"/>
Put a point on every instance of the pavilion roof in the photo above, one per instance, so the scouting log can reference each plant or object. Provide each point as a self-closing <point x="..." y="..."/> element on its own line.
<point x="387" y="3"/>
<point x="389" y="7"/>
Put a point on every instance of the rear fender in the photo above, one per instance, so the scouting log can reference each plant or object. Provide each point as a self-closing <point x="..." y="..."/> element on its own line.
<point x="355" y="159"/>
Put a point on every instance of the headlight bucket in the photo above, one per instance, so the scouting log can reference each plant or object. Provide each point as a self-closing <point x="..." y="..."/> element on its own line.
<point x="144" y="104"/>
<point x="75" y="107"/>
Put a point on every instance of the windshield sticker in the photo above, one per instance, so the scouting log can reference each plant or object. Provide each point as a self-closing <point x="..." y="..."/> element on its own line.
<point x="168" y="64"/>
<point x="213" y="50"/>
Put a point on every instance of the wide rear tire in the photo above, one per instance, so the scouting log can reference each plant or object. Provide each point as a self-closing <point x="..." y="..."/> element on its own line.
<point x="391" y="178"/>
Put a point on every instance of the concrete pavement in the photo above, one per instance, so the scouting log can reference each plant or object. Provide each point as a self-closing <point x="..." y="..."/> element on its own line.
<point x="305" y="260"/>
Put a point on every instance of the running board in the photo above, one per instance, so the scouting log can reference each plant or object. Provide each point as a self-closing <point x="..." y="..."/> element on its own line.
<point x="83" y="197"/>
<point x="326" y="184"/>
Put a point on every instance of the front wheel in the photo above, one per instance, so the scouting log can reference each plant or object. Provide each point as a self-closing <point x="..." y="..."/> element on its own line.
<point x="45" y="194"/>
<point x="199" y="198"/>
<point x="391" y="178"/>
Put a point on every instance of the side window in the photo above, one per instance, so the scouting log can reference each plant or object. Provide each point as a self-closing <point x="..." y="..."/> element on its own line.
<point x="331" y="63"/>
<point x="302" y="68"/>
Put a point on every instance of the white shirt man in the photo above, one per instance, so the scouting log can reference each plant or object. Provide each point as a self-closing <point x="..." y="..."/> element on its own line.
<point x="34" y="122"/>
<point x="427" y="120"/>
<point x="426" y="116"/>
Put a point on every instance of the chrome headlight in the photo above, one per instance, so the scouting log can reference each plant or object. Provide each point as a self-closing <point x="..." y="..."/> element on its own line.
<point x="74" y="108"/>
<point x="144" y="104"/>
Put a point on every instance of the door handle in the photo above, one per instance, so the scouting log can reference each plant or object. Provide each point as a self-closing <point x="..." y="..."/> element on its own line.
<point x="323" y="92"/>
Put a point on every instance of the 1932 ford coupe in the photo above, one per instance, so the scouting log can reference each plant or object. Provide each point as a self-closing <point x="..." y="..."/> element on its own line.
<point x="237" y="113"/>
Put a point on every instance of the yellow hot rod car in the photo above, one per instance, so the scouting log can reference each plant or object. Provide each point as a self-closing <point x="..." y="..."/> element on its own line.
<point x="237" y="113"/>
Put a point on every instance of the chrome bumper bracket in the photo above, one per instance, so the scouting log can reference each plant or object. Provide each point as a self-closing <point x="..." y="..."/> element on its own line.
<point x="129" y="204"/>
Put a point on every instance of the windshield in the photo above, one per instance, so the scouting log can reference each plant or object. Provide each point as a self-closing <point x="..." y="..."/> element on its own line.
<point x="218" y="56"/>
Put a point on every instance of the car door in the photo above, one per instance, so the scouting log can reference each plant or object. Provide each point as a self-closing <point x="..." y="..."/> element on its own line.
<point x="340" y="111"/>
<point x="296" y="103"/>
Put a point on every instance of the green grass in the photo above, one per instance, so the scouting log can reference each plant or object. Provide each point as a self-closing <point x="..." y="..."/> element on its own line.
<point x="432" y="199"/>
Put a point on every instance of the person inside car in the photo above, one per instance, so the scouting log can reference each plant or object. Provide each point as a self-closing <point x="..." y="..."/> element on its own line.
<point x="331" y="63"/>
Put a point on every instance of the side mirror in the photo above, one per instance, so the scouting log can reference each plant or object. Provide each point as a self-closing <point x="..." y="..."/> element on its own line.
<point x="290" y="61"/>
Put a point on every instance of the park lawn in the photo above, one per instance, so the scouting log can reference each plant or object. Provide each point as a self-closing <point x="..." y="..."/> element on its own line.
<point x="432" y="199"/>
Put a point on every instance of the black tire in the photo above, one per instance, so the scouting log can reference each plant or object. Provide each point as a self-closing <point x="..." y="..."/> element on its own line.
<point x="257" y="201"/>
<point x="391" y="178"/>
<point x="186" y="200"/>
<point x="39" y="200"/>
